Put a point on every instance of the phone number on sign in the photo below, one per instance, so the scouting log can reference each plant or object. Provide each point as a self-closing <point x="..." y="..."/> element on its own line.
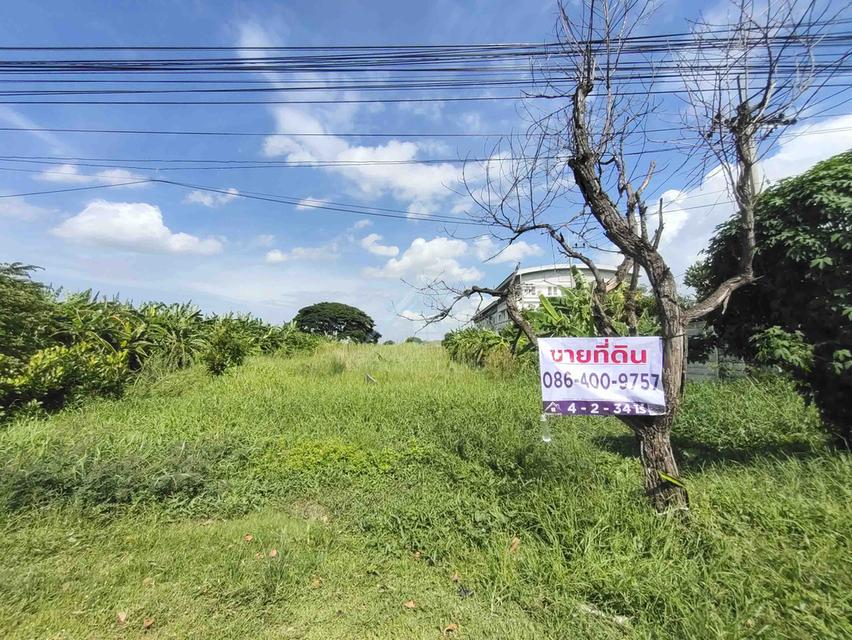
<point x="559" y="380"/>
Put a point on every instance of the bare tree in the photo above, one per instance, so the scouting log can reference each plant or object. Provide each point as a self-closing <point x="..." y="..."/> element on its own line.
<point x="742" y="84"/>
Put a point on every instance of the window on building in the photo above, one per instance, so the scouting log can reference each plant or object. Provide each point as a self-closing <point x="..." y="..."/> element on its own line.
<point x="529" y="289"/>
<point x="552" y="292"/>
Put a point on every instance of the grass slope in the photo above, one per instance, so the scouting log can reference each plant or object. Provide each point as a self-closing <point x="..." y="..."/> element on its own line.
<point x="374" y="495"/>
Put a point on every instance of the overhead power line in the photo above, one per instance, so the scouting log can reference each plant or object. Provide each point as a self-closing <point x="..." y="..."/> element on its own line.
<point x="308" y="134"/>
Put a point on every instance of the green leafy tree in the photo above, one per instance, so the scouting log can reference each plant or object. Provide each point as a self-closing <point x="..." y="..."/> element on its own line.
<point x="338" y="321"/>
<point x="414" y="339"/>
<point x="28" y="317"/>
<point x="798" y="313"/>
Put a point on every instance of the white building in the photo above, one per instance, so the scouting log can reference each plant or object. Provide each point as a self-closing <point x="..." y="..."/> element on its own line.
<point x="545" y="280"/>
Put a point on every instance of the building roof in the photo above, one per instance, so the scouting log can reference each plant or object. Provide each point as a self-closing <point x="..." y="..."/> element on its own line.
<point x="528" y="270"/>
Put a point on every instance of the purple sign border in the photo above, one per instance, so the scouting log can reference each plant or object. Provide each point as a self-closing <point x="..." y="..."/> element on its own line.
<point x="605" y="408"/>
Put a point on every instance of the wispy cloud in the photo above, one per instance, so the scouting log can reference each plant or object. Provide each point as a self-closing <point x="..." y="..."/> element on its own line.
<point x="210" y="198"/>
<point x="70" y="174"/>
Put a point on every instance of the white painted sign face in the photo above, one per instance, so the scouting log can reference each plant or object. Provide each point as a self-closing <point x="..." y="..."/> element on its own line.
<point x="602" y="376"/>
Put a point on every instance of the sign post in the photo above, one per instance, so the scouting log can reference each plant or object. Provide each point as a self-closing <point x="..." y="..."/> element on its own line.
<point x="601" y="376"/>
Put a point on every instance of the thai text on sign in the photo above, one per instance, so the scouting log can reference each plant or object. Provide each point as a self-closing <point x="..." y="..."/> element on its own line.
<point x="602" y="376"/>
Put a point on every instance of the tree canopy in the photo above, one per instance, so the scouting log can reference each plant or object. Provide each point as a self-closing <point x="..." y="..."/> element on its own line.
<point x="337" y="320"/>
<point x="798" y="312"/>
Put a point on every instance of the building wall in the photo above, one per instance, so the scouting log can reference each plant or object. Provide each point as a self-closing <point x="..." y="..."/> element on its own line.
<point x="532" y="285"/>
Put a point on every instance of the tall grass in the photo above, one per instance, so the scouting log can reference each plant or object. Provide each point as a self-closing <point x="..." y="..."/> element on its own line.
<point x="375" y="491"/>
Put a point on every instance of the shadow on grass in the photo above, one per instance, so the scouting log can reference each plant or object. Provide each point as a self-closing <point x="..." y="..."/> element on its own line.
<point x="694" y="454"/>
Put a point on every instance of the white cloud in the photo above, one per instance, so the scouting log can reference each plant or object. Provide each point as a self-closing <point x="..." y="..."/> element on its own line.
<point x="211" y="198"/>
<point x="134" y="226"/>
<point x="472" y="121"/>
<point x="371" y="244"/>
<point x="405" y="182"/>
<point x="15" y="119"/>
<point x="20" y="209"/>
<point x="276" y="256"/>
<point x="487" y="250"/>
<point x="69" y="174"/>
<point x="426" y="260"/>
<point x="362" y="224"/>
<point x="692" y="216"/>
<point x="310" y="203"/>
<point x="429" y="110"/>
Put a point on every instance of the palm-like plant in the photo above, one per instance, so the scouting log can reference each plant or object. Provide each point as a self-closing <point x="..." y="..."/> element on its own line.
<point x="178" y="332"/>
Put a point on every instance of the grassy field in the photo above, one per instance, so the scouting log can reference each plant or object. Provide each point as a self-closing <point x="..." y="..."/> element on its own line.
<point x="292" y="499"/>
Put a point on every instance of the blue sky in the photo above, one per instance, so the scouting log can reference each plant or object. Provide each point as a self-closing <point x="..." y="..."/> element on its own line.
<point x="225" y="252"/>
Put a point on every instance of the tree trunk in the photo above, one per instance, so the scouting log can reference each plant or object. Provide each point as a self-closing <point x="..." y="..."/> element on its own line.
<point x="662" y="478"/>
<point x="658" y="462"/>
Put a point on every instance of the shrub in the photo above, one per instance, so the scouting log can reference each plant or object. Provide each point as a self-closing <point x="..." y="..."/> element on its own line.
<point x="293" y="341"/>
<point x="57" y="374"/>
<point x="797" y="314"/>
<point x="227" y="346"/>
<point x="472" y="346"/>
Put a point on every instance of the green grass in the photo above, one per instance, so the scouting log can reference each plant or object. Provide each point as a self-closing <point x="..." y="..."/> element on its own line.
<point x="141" y="505"/>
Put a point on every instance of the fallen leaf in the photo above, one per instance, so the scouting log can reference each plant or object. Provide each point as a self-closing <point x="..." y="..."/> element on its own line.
<point x="316" y="582"/>
<point x="259" y="555"/>
<point x="273" y="553"/>
<point x="516" y="542"/>
<point x="417" y="555"/>
<point x="121" y="617"/>
<point x="455" y="577"/>
<point x="451" y="628"/>
<point x="147" y="623"/>
<point x="409" y="604"/>
<point x="148" y="582"/>
<point x="248" y="537"/>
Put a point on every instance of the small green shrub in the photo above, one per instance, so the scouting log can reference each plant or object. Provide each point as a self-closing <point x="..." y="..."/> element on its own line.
<point x="55" y="375"/>
<point x="472" y="346"/>
<point x="226" y="347"/>
<point x="293" y="341"/>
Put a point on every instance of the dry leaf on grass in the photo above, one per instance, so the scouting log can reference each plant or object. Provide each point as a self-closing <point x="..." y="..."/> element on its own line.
<point x="455" y="577"/>
<point x="147" y="623"/>
<point x="451" y="628"/>
<point x="121" y="617"/>
<point x="259" y="555"/>
<point x="273" y="553"/>
<point x="148" y="582"/>
<point x="316" y="583"/>
<point x="248" y="537"/>
<point x="516" y="542"/>
<point x="409" y="604"/>
<point x="417" y="555"/>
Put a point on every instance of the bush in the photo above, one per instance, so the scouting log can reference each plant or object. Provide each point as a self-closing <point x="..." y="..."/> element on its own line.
<point x="55" y="375"/>
<point x="472" y="346"/>
<point x="55" y="350"/>
<point x="293" y="341"/>
<point x="227" y="346"/>
<point x="797" y="314"/>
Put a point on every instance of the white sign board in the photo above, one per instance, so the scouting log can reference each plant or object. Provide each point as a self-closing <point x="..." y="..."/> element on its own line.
<point x="602" y="376"/>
